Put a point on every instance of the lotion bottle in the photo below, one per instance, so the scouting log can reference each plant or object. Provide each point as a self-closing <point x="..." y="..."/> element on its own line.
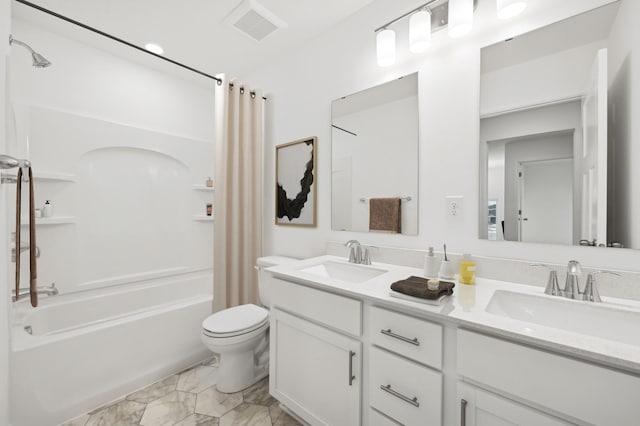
<point x="431" y="264"/>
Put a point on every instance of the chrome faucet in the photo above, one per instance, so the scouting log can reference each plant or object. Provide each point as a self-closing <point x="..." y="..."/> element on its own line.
<point x="356" y="255"/>
<point x="572" y="283"/>
<point x="51" y="290"/>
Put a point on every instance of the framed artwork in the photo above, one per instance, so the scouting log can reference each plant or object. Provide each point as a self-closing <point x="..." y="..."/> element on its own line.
<point x="296" y="183"/>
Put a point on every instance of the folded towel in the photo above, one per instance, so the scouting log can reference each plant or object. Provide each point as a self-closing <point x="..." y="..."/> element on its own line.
<point x="385" y="215"/>
<point x="417" y="287"/>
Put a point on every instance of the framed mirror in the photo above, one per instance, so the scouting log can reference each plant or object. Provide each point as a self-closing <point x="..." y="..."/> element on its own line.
<point x="554" y="105"/>
<point x="374" y="159"/>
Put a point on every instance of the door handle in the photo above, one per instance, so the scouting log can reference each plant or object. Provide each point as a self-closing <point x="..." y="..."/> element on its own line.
<point x="413" y="401"/>
<point x="351" y="376"/>
<point x="389" y="333"/>
<point x="463" y="412"/>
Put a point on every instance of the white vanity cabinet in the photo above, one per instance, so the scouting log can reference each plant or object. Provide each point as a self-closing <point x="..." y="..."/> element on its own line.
<point x="405" y="357"/>
<point x="316" y="354"/>
<point x="481" y="408"/>
<point x="574" y="390"/>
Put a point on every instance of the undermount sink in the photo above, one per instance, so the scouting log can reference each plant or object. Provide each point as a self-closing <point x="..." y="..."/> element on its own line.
<point x="581" y="317"/>
<point x="348" y="272"/>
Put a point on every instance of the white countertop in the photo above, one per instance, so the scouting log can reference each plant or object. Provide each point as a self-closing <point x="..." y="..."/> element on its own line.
<point x="467" y="308"/>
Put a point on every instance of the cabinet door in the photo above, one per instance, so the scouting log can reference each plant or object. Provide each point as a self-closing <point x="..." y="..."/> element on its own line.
<point x="481" y="408"/>
<point x="315" y="371"/>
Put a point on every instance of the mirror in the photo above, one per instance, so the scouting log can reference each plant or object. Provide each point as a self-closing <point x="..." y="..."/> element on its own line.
<point x="555" y="133"/>
<point x="374" y="159"/>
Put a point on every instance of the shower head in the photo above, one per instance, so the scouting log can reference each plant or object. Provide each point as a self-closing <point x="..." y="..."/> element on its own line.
<point x="39" y="61"/>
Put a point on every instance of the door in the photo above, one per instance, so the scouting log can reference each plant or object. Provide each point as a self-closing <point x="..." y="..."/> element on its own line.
<point x="481" y="408"/>
<point x="546" y="202"/>
<point x="315" y="371"/>
<point x="594" y="147"/>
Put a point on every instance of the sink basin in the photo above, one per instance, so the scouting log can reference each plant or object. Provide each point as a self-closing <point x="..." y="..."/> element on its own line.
<point x="348" y="272"/>
<point x="588" y="318"/>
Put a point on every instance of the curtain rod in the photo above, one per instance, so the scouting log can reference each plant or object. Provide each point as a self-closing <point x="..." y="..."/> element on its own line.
<point x="119" y="40"/>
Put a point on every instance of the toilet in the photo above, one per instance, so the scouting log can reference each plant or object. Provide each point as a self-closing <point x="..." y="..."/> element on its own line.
<point x="240" y="336"/>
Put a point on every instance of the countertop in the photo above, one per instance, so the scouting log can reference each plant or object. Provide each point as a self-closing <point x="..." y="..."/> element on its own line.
<point x="467" y="308"/>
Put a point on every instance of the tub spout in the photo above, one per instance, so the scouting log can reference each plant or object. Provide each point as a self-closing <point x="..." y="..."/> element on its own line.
<point x="51" y="290"/>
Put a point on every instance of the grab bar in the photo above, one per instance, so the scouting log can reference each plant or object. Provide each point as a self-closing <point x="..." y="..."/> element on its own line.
<point x="51" y="290"/>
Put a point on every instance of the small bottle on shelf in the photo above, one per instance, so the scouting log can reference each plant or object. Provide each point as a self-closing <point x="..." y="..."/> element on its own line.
<point x="209" y="209"/>
<point x="47" y="209"/>
<point x="209" y="183"/>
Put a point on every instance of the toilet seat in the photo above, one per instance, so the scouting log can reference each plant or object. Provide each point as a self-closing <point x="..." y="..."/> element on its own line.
<point x="235" y="321"/>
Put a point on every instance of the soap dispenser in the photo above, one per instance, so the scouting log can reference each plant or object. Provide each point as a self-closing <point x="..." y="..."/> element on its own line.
<point x="431" y="264"/>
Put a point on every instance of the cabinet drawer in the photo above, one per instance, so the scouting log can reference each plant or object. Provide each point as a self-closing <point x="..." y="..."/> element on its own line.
<point x="411" y="337"/>
<point x="339" y="312"/>
<point x="377" y="419"/>
<point x="403" y="390"/>
<point x="578" y="389"/>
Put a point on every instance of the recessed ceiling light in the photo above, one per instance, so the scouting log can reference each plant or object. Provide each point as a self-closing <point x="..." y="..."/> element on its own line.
<point x="154" y="48"/>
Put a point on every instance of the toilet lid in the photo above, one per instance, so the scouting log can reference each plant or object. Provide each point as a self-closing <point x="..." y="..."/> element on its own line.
<point x="238" y="319"/>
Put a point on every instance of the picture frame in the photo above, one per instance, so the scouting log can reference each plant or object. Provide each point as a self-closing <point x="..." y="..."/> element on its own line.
<point x="296" y="183"/>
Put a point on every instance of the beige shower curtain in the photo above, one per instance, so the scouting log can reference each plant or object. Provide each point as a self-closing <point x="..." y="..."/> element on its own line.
<point x="238" y="193"/>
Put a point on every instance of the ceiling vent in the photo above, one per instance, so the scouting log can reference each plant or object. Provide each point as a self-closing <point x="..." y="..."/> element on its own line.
<point x="254" y="20"/>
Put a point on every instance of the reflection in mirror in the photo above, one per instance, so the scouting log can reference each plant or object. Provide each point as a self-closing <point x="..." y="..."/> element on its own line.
<point x="374" y="159"/>
<point x="551" y="148"/>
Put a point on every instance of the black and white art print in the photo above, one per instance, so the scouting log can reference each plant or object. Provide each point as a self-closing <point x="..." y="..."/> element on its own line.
<point x="296" y="183"/>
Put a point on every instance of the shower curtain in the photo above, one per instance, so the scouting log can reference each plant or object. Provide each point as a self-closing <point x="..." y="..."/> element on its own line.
<point x="238" y="193"/>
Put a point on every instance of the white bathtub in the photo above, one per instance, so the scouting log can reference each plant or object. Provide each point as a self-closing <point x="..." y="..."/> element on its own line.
<point x="90" y="348"/>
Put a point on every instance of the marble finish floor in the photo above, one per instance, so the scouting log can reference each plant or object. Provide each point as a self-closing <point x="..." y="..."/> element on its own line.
<point x="189" y="398"/>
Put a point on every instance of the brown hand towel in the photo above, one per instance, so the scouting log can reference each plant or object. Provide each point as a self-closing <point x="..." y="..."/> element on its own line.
<point x="33" y="275"/>
<point x="385" y="215"/>
<point x="417" y="287"/>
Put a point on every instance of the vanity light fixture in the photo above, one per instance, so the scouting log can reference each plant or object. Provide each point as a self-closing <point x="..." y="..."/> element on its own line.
<point x="420" y="31"/>
<point x="154" y="48"/>
<point x="509" y="8"/>
<point x="460" y="17"/>
<point x="386" y="47"/>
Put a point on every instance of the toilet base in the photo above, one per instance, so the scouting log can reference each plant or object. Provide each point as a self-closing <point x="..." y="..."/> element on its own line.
<point x="237" y="371"/>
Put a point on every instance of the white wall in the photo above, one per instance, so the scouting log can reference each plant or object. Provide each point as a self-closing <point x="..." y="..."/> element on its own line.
<point x="383" y="159"/>
<point x="624" y="130"/>
<point x="301" y="87"/>
<point x="5" y="7"/>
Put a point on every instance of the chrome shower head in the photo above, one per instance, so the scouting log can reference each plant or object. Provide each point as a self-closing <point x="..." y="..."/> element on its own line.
<point x="39" y="61"/>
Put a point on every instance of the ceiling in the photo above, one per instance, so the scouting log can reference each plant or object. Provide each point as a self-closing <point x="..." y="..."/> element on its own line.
<point x="193" y="31"/>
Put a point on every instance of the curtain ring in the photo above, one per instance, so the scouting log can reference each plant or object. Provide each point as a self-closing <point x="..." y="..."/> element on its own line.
<point x="230" y="86"/>
<point x="219" y="81"/>
<point x="253" y="94"/>
<point x="242" y="90"/>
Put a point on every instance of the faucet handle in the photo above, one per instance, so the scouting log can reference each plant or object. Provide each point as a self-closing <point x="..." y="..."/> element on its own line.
<point x="552" y="288"/>
<point x="591" y="293"/>
<point x="351" y="243"/>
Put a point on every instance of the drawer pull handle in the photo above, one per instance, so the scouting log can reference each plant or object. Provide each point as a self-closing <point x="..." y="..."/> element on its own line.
<point x="413" y="401"/>
<point x="463" y="412"/>
<point x="351" y="376"/>
<point x="389" y="333"/>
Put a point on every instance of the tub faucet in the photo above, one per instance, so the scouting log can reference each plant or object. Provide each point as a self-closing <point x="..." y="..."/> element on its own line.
<point x="51" y="290"/>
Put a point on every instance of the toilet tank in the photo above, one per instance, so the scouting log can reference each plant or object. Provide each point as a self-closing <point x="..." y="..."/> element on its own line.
<point x="264" y="277"/>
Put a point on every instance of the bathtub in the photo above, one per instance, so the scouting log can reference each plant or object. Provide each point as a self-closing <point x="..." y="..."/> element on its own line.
<point x="79" y="351"/>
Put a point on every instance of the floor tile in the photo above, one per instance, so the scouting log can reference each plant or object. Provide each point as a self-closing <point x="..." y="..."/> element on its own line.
<point x="155" y="391"/>
<point x="169" y="409"/>
<point x="197" y="379"/>
<point x="198" y="420"/>
<point x="259" y="393"/>
<point x="78" y="421"/>
<point x="216" y="404"/>
<point x="280" y="417"/>
<point x="247" y="415"/>
<point x="121" y="414"/>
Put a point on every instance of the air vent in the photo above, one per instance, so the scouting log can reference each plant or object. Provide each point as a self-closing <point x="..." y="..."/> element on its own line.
<point x="254" y="20"/>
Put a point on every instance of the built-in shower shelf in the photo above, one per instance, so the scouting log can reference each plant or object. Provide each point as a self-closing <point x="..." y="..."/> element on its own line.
<point x="55" y="176"/>
<point x="202" y="218"/>
<point x="203" y="188"/>
<point x="53" y="220"/>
